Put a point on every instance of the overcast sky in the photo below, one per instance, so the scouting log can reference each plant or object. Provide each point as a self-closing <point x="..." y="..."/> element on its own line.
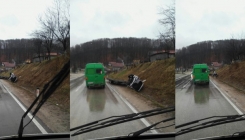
<point x="199" y="20"/>
<point x="18" y="18"/>
<point x="94" y="19"/>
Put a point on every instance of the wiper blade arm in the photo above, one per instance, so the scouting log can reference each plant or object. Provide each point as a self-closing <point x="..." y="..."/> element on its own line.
<point x="45" y="93"/>
<point x="239" y="134"/>
<point x="137" y="133"/>
<point x="55" y="82"/>
<point x="119" y="119"/>
<point x="196" y="121"/>
<point x="223" y="120"/>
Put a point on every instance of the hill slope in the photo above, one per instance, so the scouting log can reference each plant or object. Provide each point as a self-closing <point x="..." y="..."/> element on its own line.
<point x="31" y="76"/>
<point x="233" y="75"/>
<point x="160" y="80"/>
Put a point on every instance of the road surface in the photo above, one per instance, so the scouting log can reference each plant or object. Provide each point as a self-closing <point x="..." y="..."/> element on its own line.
<point x="89" y="105"/>
<point x="11" y="111"/>
<point x="200" y="101"/>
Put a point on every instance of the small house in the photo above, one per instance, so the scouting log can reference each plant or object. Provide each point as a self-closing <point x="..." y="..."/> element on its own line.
<point x="44" y="57"/>
<point x="216" y="65"/>
<point x="161" y="55"/>
<point x="8" y="66"/>
<point x="115" y="66"/>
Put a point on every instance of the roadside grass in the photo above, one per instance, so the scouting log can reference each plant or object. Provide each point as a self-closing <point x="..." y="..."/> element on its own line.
<point x="160" y="80"/>
<point x="36" y="75"/>
<point x="233" y="75"/>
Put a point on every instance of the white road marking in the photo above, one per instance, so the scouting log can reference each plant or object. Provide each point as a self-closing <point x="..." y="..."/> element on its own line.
<point x="232" y="104"/>
<point x="81" y="86"/>
<point x="78" y="88"/>
<point x="132" y="108"/>
<point x="186" y="84"/>
<point x="29" y="115"/>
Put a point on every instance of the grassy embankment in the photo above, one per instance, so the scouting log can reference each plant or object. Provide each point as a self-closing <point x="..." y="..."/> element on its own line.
<point x="233" y="75"/>
<point x="160" y="80"/>
<point x="31" y="76"/>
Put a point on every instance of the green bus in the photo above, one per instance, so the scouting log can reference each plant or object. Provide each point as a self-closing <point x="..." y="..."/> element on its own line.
<point x="95" y="75"/>
<point x="200" y="74"/>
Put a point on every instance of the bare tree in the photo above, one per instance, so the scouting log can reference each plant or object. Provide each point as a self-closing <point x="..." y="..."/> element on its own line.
<point x="232" y="51"/>
<point x="242" y="47"/>
<point x="47" y="36"/>
<point x="56" y="23"/>
<point x="38" y="44"/>
<point x="168" y="21"/>
<point x="48" y="41"/>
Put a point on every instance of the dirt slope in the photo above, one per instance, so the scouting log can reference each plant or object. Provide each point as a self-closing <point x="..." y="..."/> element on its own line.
<point x="31" y="76"/>
<point x="160" y="80"/>
<point x="233" y="75"/>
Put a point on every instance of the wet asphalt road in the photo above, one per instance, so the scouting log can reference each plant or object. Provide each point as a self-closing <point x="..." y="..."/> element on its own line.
<point x="89" y="105"/>
<point x="200" y="101"/>
<point x="11" y="114"/>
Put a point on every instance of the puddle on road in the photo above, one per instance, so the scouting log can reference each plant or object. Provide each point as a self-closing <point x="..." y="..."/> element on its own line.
<point x="201" y="94"/>
<point x="190" y="88"/>
<point x="97" y="98"/>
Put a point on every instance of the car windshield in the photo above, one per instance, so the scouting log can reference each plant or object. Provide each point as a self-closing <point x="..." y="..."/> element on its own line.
<point x="96" y="69"/>
<point x="210" y="98"/>
<point x="198" y="99"/>
<point x="114" y="101"/>
<point x="28" y="123"/>
<point x="34" y="71"/>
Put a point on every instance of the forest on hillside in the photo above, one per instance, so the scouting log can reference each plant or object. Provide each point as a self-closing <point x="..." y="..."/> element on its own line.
<point x="20" y="50"/>
<point x="105" y="50"/>
<point x="222" y="51"/>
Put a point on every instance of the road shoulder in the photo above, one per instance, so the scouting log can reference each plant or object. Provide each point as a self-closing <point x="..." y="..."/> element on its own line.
<point x="237" y="96"/>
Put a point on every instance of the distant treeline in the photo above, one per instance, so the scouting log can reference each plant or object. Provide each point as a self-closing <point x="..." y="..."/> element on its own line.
<point x="106" y="50"/>
<point x="224" y="51"/>
<point x="20" y="50"/>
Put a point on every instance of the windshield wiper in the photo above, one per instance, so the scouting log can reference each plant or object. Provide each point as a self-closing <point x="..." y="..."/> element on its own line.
<point x="238" y="134"/>
<point x="113" y="120"/>
<point x="137" y="133"/>
<point x="47" y="91"/>
<point x="219" y="121"/>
